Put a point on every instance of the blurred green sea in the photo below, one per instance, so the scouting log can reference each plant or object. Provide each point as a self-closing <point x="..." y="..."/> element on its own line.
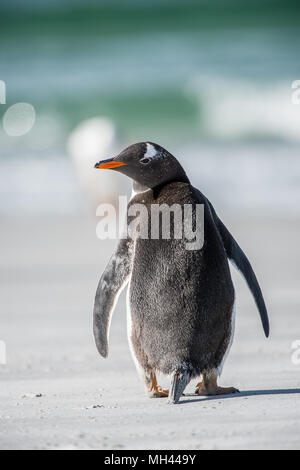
<point x="135" y="61"/>
<point x="210" y="80"/>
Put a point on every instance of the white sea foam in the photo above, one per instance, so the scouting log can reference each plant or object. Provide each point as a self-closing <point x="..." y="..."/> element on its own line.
<point x="239" y="109"/>
<point x="256" y="179"/>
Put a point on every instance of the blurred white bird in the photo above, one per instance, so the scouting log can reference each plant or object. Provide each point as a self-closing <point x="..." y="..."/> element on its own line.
<point x="93" y="140"/>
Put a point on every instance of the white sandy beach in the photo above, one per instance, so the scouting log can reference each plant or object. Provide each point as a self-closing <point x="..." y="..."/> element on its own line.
<point x="49" y="272"/>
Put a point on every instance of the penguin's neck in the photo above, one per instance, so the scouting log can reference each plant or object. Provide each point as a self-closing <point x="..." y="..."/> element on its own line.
<point x="138" y="188"/>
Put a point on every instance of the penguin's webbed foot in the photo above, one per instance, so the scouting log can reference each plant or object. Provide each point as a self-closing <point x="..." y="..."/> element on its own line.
<point x="158" y="392"/>
<point x="211" y="389"/>
<point x="155" y="391"/>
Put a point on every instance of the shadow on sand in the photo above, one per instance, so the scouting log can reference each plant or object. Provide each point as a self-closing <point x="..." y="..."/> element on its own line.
<point x="191" y="398"/>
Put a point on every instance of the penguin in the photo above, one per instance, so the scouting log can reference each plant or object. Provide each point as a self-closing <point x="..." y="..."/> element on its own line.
<point x="180" y="302"/>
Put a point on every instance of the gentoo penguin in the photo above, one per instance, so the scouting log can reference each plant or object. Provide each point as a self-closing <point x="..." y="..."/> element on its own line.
<point x="180" y="302"/>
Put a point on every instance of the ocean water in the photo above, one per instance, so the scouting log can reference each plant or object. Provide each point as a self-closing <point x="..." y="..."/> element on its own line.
<point x="211" y="81"/>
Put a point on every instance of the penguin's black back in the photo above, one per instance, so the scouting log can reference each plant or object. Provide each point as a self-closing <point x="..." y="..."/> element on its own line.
<point x="181" y="300"/>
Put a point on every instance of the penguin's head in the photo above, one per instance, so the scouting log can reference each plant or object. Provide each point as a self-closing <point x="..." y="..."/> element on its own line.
<point x="146" y="163"/>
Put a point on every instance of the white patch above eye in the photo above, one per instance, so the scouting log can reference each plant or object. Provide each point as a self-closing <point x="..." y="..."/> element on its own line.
<point x="151" y="151"/>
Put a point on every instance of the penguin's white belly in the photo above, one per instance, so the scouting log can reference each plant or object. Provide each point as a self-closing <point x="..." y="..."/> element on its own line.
<point x="233" y="317"/>
<point x="128" y="316"/>
<point x="129" y="328"/>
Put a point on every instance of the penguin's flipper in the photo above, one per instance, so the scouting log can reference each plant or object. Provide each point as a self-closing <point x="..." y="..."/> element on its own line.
<point x="241" y="262"/>
<point x="113" y="280"/>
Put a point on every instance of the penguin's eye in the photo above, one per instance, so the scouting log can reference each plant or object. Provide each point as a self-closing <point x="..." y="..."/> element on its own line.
<point x="144" y="161"/>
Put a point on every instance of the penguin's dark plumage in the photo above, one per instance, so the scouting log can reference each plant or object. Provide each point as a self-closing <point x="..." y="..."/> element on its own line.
<point x="180" y="302"/>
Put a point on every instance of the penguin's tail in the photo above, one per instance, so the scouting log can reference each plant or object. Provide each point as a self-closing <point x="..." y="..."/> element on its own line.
<point x="180" y="379"/>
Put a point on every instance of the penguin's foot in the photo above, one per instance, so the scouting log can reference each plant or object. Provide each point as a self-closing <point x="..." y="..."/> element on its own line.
<point x="158" y="392"/>
<point x="210" y="388"/>
<point x="204" y="392"/>
<point x="155" y="391"/>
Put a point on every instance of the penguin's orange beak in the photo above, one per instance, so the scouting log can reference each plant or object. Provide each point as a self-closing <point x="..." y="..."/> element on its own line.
<point x="108" y="164"/>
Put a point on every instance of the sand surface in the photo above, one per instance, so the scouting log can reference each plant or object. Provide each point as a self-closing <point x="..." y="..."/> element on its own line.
<point x="48" y="275"/>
